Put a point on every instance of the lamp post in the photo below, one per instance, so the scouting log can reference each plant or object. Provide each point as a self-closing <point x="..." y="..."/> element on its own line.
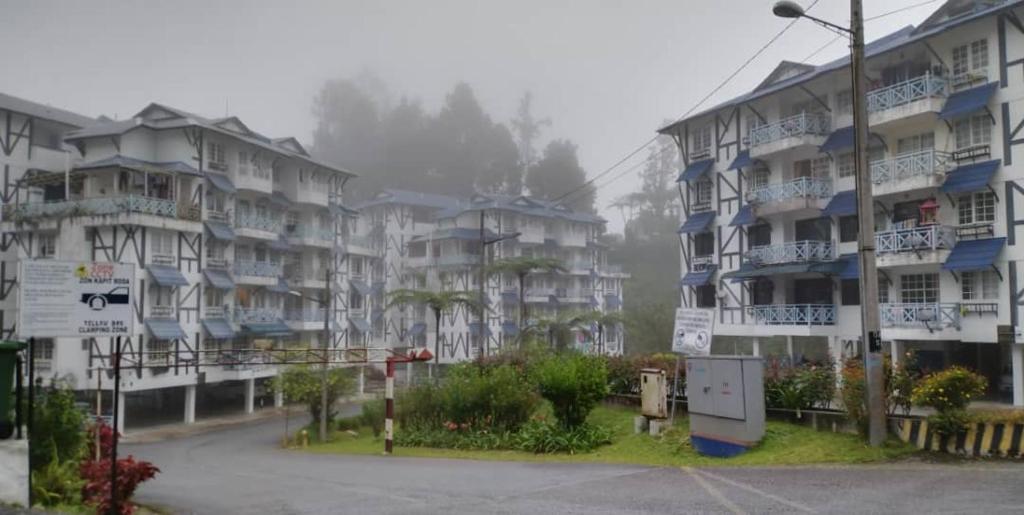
<point x="871" y="336"/>
<point x="325" y="304"/>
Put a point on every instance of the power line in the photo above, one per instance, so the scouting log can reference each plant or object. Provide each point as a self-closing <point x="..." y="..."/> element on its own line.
<point x="901" y="9"/>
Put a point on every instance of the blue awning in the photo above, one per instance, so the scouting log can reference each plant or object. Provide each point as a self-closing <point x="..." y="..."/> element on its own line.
<point x="221" y="231"/>
<point x="165" y="329"/>
<point x="280" y="244"/>
<point x="360" y="324"/>
<point x="474" y="329"/>
<point x="749" y="271"/>
<point x="745" y="216"/>
<point x="222" y="183"/>
<point x="509" y="296"/>
<point x="695" y="169"/>
<point x="612" y="301"/>
<point x="280" y="287"/>
<point x="510" y="328"/>
<point x="698" y="278"/>
<point x="166" y="275"/>
<point x="851" y="268"/>
<point x="742" y="160"/>
<point x="969" y="178"/>
<point x="276" y="328"/>
<point x="970" y="255"/>
<point x="697" y="222"/>
<point x="843" y="203"/>
<point x="842" y="139"/>
<point x="963" y="103"/>
<point x="361" y="287"/>
<point x="218" y="328"/>
<point x="219" y="279"/>
<point x="417" y="329"/>
<point x="279" y="200"/>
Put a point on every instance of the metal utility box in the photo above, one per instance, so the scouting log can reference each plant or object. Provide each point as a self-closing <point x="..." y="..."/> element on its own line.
<point x="725" y="396"/>
<point x="653" y="393"/>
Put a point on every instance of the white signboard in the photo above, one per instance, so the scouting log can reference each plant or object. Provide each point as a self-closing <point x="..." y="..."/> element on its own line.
<point x="693" y="329"/>
<point x="75" y="298"/>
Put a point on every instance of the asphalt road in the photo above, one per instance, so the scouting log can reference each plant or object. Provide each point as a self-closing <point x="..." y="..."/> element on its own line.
<point x="241" y="470"/>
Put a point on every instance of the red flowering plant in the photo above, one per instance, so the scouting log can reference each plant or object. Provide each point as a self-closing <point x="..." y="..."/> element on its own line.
<point x="96" y="472"/>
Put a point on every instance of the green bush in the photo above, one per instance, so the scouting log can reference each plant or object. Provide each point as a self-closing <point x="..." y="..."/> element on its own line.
<point x="949" y="391"/>
<point x="950" y="422"/>
<point x="59" y="428"/>
<point x="498" y="398"/>
<point x="899" y="381"/>
<point x="624" y="371"/>
<point x="419" y="407"/>
<point x="303" y="383"/>
<point x="805" y="386"/>
<point x="574" y="384"/>
<point x="349" y="423"/>
<point x="57" y="483"/>
<point x="539" y="436"/>
<point x="372" y="416"/>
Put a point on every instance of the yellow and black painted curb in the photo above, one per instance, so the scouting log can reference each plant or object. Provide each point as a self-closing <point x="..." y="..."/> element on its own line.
<point x="981" y="439"/>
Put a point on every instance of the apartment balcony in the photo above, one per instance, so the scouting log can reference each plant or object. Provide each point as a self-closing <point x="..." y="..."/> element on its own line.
<point x="256" y="226"/>
<point x="540" y="295"/>
<point x="302" y="234"/>
<point x="163" y="259"/>
<point x="256" y="315"/>
<point x="252" y="182"/>
<point x="792" y="252"/>
<point x="793" y="314"/>
<point x="218" y="263"/>
<point x="458" y="260"/>
<point x="359" y="244"/>
<point x="113" y="210"/>
<point x="805" y="129"/>
<point x="931" y="316"/>
<point x="218" y="216"/>
<point x="580" y="266"/>
<point x="215" y="312"/>
<point x="908" y="172"/>
<point x="309" y="192"/>
<point x="795" y="194"/>
<point x="926" y="244"/>
<point x="574" y="295"/>
<point x="263" y="273"/>
<point x="906" y="101"/>
<point x="314" y="278"/>
<point x="305" y="319"/>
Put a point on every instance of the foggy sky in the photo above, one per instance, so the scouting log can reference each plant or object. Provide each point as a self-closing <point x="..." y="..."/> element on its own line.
<point x="606" y="72"/>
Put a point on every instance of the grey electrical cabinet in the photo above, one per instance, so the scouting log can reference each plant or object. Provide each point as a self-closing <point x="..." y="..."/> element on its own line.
<point x="725" y="399"/>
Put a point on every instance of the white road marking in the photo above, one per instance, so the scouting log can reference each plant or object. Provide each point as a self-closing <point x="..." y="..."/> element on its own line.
<point x="729" y="505"/>
<point x="757" y="491"/>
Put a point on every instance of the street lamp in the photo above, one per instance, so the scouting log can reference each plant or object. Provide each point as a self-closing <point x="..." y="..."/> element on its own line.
<point x="324" y="303"/>
<point x="870" y="331"/>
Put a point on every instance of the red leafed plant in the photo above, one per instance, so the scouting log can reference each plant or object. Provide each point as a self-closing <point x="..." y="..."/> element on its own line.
<point x="130" y="473"/>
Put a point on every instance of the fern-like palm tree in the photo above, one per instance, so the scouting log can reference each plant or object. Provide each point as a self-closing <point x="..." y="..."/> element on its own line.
<point x="522" y="267"/>
<point x="438" y="302"/>
<point x="604" y="320"/>
<point x="559" y="330"/>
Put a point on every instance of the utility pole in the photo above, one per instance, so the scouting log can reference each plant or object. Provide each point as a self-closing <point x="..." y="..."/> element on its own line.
<point x="325" y="304"/>
<point x="483" y="263"/>
<point x="871" y="335"/>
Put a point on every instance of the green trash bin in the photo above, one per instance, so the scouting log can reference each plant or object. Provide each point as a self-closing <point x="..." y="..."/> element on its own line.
<point x="8" y="360"/>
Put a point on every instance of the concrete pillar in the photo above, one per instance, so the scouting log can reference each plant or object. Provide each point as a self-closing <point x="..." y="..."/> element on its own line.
<point x="836" y="354"/>
<point x="250" y="395"/>
<point x="757" y="346"/>
<point x="1017" y="358"/>
<point x="121" y="401"/>
<point x="362" y="380"/>
<point x="789" y="348"/>
<point x="190" y="404"/>
<point x="278" y="398"/>
<point x="896" y="348"/>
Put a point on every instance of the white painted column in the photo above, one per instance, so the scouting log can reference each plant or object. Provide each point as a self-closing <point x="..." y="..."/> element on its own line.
<point x="757" y="346"/>
<point x="362" y="380"/>
<point x="1017" y="359"/>
<point x="250" y="395"/>
<point x="121" y="401"/>
<point x="836" y="354"/>
<point x="190" y="404"/>
<point x="896" y="347"/>
<point x="789" y="348"/>
<point x="278" y="398"/>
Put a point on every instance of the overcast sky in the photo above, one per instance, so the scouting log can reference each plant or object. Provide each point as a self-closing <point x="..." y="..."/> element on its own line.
<point x="606" y="72"/>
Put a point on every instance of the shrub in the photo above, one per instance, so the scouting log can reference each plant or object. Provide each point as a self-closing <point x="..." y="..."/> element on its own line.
<point x="899" y="382"/>
<point x="852" y="391"/>
<point x="96" y="473"/>
<point x="59" y="428"/>
<point x="419" y="407"/>
<point x="302" y="383"/>
<point x="624" y="371"/>
<point x="804" y="386"/>
<point x="372" y="415"/>
<point x="57" y="483"/>
<point x="498" y="398"/>
<point x="573" y="384"/>
<point x="949" y="391"/>
<point x="539" y="436"/>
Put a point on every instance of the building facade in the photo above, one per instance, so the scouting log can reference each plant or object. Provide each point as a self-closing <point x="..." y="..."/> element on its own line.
<point x="769" y="226"/>
<point x="238" y="241"/>
<point x="424" y="241"/>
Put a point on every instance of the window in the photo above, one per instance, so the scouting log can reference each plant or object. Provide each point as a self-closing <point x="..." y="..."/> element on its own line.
<point x="701" y="139"/>
<point x="972" y="131"/>
<point x="815" y="229"/>
<point x="845" y="165"/>
<point x="704" y="244"/>
<point x="977" y="208"/>
<point x="915" y="143"/>
<point x="844" y="103"/>
<point x="161" y="296"/>
<point x="764" y="290"/>
<point x="883" y="291"/>
<point x="243" y="163"/>
<point x="161" y="243"/>
<point x="216" y="151"/>
<point x="760" y="177"/>
<point x="979" y="285"/>
<point x="821" y="166"/>
<point x="848" y="226"/>
<point x="355" y="300"/>
<point x="705" y="296"/>
<point x="759" y="235"/>
<point x="43" y="349"/>
<point x="919" y="288"/>
<point x="47" y="246"/>
<point x="702" y="194"/>
<point x="851" y="292"/>
<point x="970" y="58"/>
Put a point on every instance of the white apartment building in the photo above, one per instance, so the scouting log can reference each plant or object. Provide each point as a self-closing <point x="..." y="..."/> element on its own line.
<point x="768" y="234"/>
<point x="424" y="241"/>
<point x="236" y="238"/>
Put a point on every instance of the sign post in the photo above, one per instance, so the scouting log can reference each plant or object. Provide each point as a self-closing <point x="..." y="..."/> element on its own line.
<point x="694" y="328"/>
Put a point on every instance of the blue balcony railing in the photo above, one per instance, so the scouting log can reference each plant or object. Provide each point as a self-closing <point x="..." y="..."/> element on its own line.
<point x="793" y="314"/>
<point x="257" y="268"/>
<point x="97" y="206"/>
<point x="906" y="92"/>
<point x="803" y="187"/>
<point x="799" y="125"/>
<point x="931" y="315"/>
<point x="792" y="252"/>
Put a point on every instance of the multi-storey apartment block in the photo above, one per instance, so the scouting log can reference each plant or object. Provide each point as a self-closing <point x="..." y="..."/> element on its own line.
<point x="422" y="241"/>
<point x="236" y="239"/>
<point x="769" y="229"/>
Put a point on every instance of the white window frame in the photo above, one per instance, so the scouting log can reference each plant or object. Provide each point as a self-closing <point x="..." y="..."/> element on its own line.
<point x="761" y="177"/>
<point x="976" y="208"/>
<point x="216" y="151"/>
<point x="161" y="243"/>
<point x="47" y="246"/>
<point x="703" y="191"/>
<point x="972" y="131"/>
<point x="243" y="162"/>
<point x="701" y="139"/>
<point x="919" y="288"/>
<point x="845" y="165"/>
<point x="980" y="285"/>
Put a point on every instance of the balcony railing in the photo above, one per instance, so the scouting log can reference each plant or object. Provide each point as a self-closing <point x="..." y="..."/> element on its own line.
<point x="803" y="187"/>
<point x="360" y="241"/>
<point x="250" y="315"/>
<point x="258" y="268"/>
<point x="218" y="216"/>
<point x="261" y="223"/>
<point x="792" y="252"/>
<point x="925" y="237"/>
<point x="304" y="315"/>
<point x="905" y="166"/>
<point x="96" y="206"/>
<point x="799" y="125"/>
<point x="903" y="93"/>
<point x="793" y="314"/>
<point x="931" y="315"/>
<point x="310" y="232"/>
<point x="214" y="312"/>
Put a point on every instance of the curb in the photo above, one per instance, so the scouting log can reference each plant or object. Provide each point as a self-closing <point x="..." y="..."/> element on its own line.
<point x="980" y="440"/>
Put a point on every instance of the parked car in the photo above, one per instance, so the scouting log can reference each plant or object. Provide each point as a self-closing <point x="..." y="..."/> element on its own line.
<point x="98" y="301"/>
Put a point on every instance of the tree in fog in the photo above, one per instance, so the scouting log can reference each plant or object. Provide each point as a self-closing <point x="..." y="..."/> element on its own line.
<point x="527" y="129"/>
<point x="348" y="127"/>
<point x="558" y="172"/>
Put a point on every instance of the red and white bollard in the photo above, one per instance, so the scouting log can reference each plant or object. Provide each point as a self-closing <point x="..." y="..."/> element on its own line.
<point x="389" y="392"/>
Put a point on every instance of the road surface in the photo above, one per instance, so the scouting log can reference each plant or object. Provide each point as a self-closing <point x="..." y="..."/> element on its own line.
<point x="242" y="470"/>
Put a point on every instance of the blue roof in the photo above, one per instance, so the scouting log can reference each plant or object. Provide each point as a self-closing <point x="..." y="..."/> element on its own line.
<point x="361" y="287"/>
<point x="843" y="139"/>
<point x="280" y="287"/>
<point x="474" y="329"/>
<point x="851" y="267"/>
<point x="218" y="328"/>
<point x="697" y="222"/>
<point x="963" y="103"/>
<point x="695" y="170"/>
<point x="742" y="160"/>
<point x="698" y="278"/>
<point x="219" y="279"/>
<point x="141" y="165"/>
<point x="221" y="231"/>
<point x="417" y="329"/>
<point x="521" y="204"/>
<point x="510" y="328"/>
<point x="222" y="183"/>
<point x="745" y="216"/>
<point x="969" y="178"/>
<point x="843" y="203"/>
<point x="276" y="328"/>
<point x="165" y="329"/>
<point x="970" y="255"/>
<point x="749" y="271"/>
<point x="456" y="233"/>
<point x="166" y="275"/>
<point x="360" y="324"/>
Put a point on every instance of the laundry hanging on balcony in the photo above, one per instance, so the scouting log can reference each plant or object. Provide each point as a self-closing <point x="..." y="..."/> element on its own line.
<point x="220" y="231"/>
<point x="222" y="183"/>
<point x="843" y="203"/>
<point x="219" y="279"/>
<point x="165" y="329"/>
<point x="971" y="255"/>
<point x="745" y="216"/>
<point x="167" y="276"/>
<point x="742" y="160"/>
<point x="843" y="139"/>
<point x="963" y="103"/>
<point x="218" y="328"/>
<point x="699" y="278"/>
<point x="697" y="222"/>
<point x="970" y="178"/>
<point x="695" y="170"/>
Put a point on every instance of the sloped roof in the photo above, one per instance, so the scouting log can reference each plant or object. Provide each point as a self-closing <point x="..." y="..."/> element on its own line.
<point x="37" y="110"/>
<point x="410" y="198"/>
<point x="520" y="204"/>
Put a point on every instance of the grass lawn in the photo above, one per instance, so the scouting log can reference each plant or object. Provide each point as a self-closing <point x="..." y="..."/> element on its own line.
<point x="783" y="444"/>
